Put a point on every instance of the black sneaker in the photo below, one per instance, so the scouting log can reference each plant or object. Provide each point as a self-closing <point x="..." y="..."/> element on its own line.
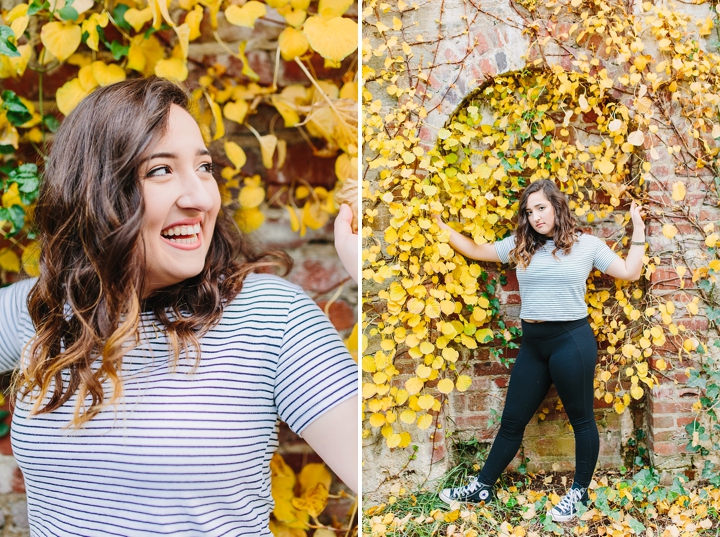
<point x="473" y="492"/>
<point x="565" y="509"/>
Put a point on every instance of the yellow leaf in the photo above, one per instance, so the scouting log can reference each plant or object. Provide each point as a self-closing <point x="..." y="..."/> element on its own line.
<point x="87" y="78"/>
<point x="445" y="386"/>
<point x="424" y="421"/>
<point x="333" y="39"/>
<point x="312" y="474"/>
<point x="432" y="309"/>
<point x="236" y="111"/>
<point x="669" y="231"/>
<point x="313" y="501"/>
<point x="661" y="365"/>
<point x="183" y="34"/>
<point x="463" y="382"/>
<point x="31" y="259"/>
<point x="286" y="110"/>
<point x="236" y="155"/>
<point x="91" y="27"/>
<point x="414" y="385"/>
<point x="107" y="74"/>
<point x="251" y="196"/>
<point x="426" y="401"/>
<point x="292" y="43"/>
<point x="604" y="166"/>
<point x="9" y="261"/>
<point x="217" y="118"/>
<point x="11" y="196"/>
<point x="160" y="11"/>
<point x="193" y="20"/>
<point x="333" y="8"/>
<point x="61" y="39"/>
<point x="70" y="95"/>
<point x="173" y="69"/>
<point x="636" y="138"/>
<point x="137" y="18"/>
<point x="17" y="12"/>
<point x="407" y="416"/>
<point x="692" y="308"/>
<point x="636" y="391"/>
<point x="619" y="407"/>
<point x="268" y="143"/>
<point x="377" y="419"/>
<point x="393" y="440"/>
<point x="248" y="220"/>
<point x="19" y="25"/>
<point x="313" y="215"/>
<point x="711" y="240"/>
<point x="245" y="15"/>
<point x="678" y="191"/>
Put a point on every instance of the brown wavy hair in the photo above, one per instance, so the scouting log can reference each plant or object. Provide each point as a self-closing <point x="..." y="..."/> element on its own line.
<point x="86" y="304"/>
<point x="527" y="240"/>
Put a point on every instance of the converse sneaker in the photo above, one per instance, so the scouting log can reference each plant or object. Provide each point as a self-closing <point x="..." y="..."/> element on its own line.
<point x="565" y="509"/>
<point x="473" y="492"/>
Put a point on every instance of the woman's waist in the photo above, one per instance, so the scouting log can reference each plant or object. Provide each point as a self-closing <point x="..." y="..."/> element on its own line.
<point x="544" y="329"/>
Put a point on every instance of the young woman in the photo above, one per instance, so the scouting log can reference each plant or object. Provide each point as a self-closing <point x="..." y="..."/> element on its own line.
<point x="153" y="366"/>
<point x="553" y="261"/>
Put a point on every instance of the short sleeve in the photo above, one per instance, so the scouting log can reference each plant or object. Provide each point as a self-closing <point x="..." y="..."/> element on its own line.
<point x="504" y="247"/>
<point x="13" y="318"/>
<point x="315" y="371"/>
<point x="604" y="256"/>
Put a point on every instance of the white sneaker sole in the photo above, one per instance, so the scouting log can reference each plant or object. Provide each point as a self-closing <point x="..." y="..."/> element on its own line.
<point x="449" y="501"/>
<point x="561" y="518"/>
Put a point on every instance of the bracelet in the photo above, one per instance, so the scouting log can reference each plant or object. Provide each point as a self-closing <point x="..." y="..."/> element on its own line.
<point x="637" y="243"/>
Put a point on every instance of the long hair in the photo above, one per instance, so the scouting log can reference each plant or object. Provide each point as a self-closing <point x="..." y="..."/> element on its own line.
<point x="86" y="303"/>
<point x="527" y="240"/>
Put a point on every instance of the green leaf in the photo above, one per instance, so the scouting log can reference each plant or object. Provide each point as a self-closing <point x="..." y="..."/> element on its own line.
<point x="26" y="177"/>
<point x="119" y="17"/>
<point x="8" y="48"/>
<point x="119" y="50"/>
<point x="4" y="429"/>
<point x="17" y="112"/>
<point x="51" y="122"/>
<point x="36" y="6"/>
<point x="68" y="13"/>
<point x="6" y="149"/>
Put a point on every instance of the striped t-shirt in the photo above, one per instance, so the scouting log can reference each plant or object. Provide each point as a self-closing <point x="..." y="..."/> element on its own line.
<point x="553" y="288"/>
<point x="184" y="453"/>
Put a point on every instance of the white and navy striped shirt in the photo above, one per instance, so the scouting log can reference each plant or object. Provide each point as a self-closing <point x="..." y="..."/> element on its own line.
<point x="184" y="453"/>
<point x="553" y="288"/>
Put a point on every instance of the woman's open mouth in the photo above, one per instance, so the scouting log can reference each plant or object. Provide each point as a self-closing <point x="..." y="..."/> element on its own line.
<point x="182" y="236"/>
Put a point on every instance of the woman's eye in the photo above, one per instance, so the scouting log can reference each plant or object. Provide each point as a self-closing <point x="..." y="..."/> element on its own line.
<point x="160" y="170"/>
<point x="207" y="167"/>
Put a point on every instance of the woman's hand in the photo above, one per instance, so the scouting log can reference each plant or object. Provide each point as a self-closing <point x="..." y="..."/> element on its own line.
<point x="636" y="215"/>
<point x="439" y="221"/>
<point x="346" y="242"/>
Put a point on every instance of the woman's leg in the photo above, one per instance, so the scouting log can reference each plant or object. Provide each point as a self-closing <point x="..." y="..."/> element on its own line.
<point x="529" y="383"/>
<point x="572" y="366"/>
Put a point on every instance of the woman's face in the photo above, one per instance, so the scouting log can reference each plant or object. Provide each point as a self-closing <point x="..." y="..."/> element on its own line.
<point x="540" y="213"/>
<point x="182" y="201"/>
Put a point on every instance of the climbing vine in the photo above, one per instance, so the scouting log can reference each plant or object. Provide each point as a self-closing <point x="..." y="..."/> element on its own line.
<point x="610" y="101"/>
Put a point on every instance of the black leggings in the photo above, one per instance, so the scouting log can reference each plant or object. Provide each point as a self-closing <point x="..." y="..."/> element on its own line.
<point x="555" y="352"/>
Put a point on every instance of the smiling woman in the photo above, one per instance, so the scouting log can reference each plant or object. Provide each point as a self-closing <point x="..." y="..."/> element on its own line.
<point x="170" y="360"/>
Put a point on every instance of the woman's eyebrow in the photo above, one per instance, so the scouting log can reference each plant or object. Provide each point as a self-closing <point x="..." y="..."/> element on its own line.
<point x="199" y="153"/>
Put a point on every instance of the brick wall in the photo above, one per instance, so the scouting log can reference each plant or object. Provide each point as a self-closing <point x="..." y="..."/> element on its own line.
<point x="476" y="46"/>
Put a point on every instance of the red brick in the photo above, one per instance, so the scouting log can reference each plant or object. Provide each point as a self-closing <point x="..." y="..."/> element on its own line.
<point x="666" y="449"/>
<point x="487" y="67"/>
<point x="17" y="482"/>
<point x="341" y="314"/>
<point x="661" y="422"/>
<point x="512" y="281"/>
<point x="684" y="420"/>
<point x="670" y="408"/>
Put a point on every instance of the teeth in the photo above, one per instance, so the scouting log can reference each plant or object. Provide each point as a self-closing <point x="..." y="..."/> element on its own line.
<point x="182" y="230"/>
<point x="185" y="241"/>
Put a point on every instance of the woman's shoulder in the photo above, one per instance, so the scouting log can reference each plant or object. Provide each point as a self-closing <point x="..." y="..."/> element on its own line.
<point x="17" y="292"/>
<point x="263" y="289"/>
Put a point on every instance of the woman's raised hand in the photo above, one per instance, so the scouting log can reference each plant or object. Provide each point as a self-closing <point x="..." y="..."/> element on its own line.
<point x="636" y="215"/>
<point x="439" y="221"/>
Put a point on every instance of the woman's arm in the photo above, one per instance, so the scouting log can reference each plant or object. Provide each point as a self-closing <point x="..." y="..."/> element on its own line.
<point x="467" y="247"/>
<point x="334" y="436"/>
<point x="630" y="268"/>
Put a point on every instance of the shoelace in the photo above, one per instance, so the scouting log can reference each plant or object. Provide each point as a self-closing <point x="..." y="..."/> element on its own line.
<point x="467" y="489"/>
<point x="569" y="500"/>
